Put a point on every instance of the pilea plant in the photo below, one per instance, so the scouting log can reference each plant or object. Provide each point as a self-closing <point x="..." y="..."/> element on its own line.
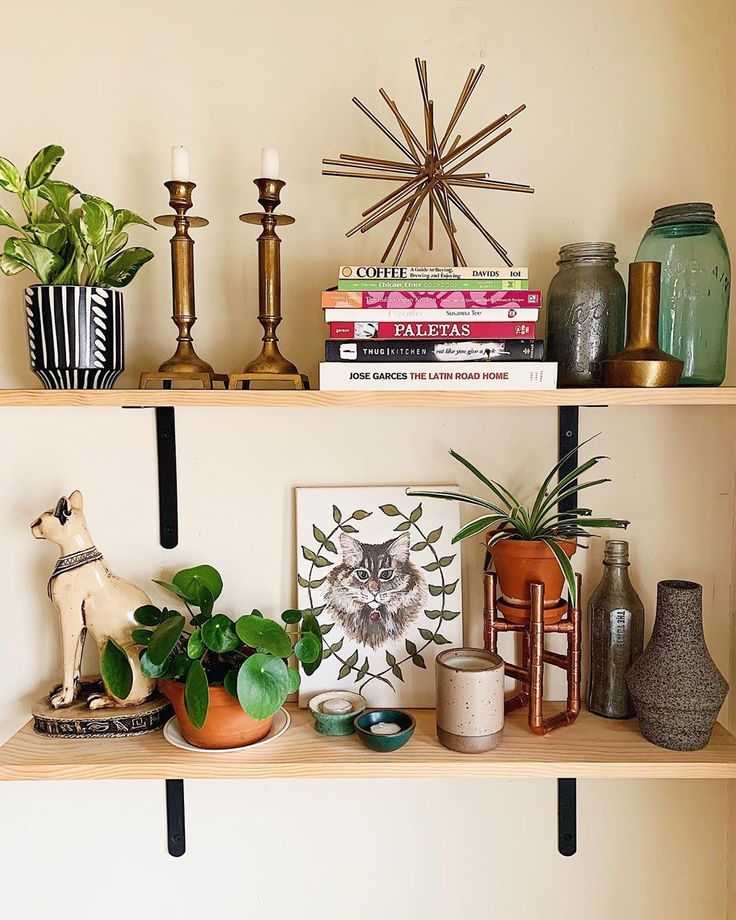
<point x="62" y="242"/>
<point x="247" y="656"/>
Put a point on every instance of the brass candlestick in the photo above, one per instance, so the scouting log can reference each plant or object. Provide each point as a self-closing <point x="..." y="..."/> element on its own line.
<point x="642" y="363"/>
<point x="270" y="366"/>
<point x="184" y="365"/>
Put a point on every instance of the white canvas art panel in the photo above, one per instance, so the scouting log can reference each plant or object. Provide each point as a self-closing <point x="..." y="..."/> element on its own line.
<point x="378" y="569"/>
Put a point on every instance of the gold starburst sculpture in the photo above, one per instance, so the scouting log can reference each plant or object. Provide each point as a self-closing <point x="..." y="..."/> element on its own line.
<point x="432" y="172"/>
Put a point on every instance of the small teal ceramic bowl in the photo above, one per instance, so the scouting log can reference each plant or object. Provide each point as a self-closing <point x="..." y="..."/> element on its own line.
<point x="336" y="723"/>
<point x="384" y="744"/>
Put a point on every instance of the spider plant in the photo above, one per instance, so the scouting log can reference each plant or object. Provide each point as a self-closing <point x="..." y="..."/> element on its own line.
<point x="541" y="519"/>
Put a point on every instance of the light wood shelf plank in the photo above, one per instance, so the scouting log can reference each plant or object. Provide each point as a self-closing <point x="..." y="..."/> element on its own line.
<point x="593" y="747"/>
<point x="325" y="399"/>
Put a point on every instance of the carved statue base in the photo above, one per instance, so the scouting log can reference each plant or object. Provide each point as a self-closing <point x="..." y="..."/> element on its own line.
<point x="79" y="721"/>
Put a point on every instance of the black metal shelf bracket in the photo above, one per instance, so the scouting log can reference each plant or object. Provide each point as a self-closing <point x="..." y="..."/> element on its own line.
<point x="568" y="440"/>
<point x="167" y="488"/>
<point x="567" y="817"/>
<point x="175" y="826"/>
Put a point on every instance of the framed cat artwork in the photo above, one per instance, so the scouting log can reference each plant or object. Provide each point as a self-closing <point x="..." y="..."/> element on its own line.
<point x="382" y="577"/>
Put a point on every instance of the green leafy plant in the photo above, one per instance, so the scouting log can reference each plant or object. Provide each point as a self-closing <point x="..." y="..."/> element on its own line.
<point x="247" y="656"/>
<point x="541" y="519"/>
<point x="63" y="242"/>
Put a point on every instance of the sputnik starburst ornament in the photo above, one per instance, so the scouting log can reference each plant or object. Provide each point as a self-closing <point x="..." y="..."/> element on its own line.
<point x="432" y="172"/>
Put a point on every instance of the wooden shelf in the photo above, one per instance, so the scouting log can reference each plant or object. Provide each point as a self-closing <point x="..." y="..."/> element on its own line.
<point x="593" y="747"/>
<point x="325" y="399"/>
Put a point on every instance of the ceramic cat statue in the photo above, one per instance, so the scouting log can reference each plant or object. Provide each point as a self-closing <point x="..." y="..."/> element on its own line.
<point x="90" y="600"/>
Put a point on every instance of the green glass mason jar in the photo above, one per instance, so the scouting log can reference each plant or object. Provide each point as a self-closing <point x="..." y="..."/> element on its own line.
<point x="696" y="284"/>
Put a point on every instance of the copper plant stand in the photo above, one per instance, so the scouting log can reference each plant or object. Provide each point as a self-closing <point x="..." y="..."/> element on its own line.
<point x="534" y="656"/>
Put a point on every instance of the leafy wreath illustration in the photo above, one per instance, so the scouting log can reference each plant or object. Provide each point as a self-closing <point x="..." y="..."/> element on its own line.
<point x="430" y="634"/>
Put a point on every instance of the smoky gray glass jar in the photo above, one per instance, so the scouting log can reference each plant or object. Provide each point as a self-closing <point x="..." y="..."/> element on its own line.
<point x="586" y="313"/>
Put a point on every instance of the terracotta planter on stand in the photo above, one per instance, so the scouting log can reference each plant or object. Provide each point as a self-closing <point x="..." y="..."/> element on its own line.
<point x="226" y="725"/>
<point x="518" y="563"/>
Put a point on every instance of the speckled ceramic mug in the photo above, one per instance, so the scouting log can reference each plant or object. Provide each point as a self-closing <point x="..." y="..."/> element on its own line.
<point x="469" y="699"/>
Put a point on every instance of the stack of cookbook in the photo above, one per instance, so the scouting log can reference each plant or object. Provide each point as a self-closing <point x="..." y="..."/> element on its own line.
<point x="430" y="328"/>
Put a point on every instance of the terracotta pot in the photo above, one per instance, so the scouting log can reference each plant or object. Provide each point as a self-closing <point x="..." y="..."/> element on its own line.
<point x="226" y="725"/>
<point x="520" y="562"/>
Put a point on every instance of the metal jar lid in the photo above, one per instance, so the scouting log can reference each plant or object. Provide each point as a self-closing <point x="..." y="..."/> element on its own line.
<point x="688" y="212"/>
<point x="574" y="252"/>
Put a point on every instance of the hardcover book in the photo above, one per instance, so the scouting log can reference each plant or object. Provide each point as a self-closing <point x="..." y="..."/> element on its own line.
<point x="510" y="375"/>
<point x="452" y="329"/>
<point x="383" y="351"/>
<point x="448" y="284"/>
<point x="431" y="272"/>
<point x="428" y="300"/>
<point x="493" y="315"/>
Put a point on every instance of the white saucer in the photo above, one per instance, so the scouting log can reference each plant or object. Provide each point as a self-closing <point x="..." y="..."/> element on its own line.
<point x="172" y="733"/>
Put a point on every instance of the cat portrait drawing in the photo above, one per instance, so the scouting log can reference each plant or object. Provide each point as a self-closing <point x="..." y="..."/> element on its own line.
<point x="375" y="592"/>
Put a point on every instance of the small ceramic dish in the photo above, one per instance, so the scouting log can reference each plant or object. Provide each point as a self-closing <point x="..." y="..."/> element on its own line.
<point x="384" y="744"/>
<point x="336" y="723"/>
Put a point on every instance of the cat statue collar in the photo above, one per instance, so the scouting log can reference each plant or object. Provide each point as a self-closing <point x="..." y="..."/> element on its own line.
<point x="75" y="561"/>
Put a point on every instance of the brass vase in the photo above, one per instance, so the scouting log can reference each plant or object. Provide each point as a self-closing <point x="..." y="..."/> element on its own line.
<point x="642" y="363"/>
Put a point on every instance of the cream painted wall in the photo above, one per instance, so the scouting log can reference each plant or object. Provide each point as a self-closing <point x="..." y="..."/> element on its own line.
<point x="628" y="109"/>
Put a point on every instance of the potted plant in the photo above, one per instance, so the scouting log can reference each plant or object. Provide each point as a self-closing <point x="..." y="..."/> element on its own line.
<point x="79" y="252"/>
<point x="533" y="542"/>
<point x="225" y="678"/>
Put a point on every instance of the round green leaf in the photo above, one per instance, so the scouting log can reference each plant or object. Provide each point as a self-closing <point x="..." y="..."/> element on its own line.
<point x="117" y="673"/>
<point x="294" y="679"/>
<point x="205" y="600"/>
<point x="149" y="669"/>
<point x="360" y="514"/>
<point x="180" y="665"/>
<point x="189" y="581"/>
<point x="258" y="632"/>
<point x="195" y="646"/>
<point x="148" y="615"/>
<point x="218" y="634"/>
<point x="141" y="636"/>
<point x="390" y="510"/>
<point x="164" y="638"/>
<point x="310" y="624"/>
<point x="197" y="694"/>
<point x="263" y="685"/>
<point x="231" y="683"/>
<point x="291" y="616"/>
<point x="308" y="649"/>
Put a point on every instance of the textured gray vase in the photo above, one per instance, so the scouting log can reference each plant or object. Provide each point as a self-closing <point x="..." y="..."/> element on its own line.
<point x="676" y="688"/>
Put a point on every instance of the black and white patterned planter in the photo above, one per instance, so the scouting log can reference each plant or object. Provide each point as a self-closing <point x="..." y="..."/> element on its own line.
<point x="75" y="336"/>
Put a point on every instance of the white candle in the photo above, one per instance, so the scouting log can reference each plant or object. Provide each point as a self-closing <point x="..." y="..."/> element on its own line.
<point x="336" y="706"/>
<point x="385" y="728"/>
<point x="469" y="662"/>
<point x="180" y="164"/>
<point x="269" y="163"/>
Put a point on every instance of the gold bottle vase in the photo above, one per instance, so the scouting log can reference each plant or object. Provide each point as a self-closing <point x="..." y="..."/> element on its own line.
<point x="642" y="363"/>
